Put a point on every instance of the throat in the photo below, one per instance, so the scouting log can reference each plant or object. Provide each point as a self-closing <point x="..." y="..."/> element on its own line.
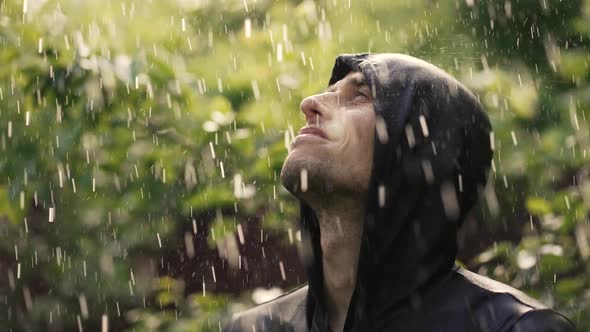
<point x="340" y="241"/>
<point x="339" y="283"/>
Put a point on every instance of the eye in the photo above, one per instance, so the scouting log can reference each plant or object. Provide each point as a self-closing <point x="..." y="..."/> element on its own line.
<point x="360" y="94"/>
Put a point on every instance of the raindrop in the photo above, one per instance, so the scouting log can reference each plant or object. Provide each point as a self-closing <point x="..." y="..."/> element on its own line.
<point x="212" y="150"/>
<point x="238" y="186"/>
<point x="219" y="85"/>
<point x="248" y="27"/>
<point x="410" y="136"/>
<point x="303" y="178"/>
<point x="105" y="323"/>
<point x="241" y="234"/>
<point x="190" y="247"/>
<point x="449" y="200"/>
<point x="83" y="306"/>
<point x="513" y="138"/>
<point x="428" y="172"/>
<point x="381" y="195"/>
<point x="381" y="129"/>
<point x="574" y="116"/>
<point x="282" y="270"/>
<point x="51" y="214"/>
<point x="424" y="126"/>
<point x="204" y="292"/>
<point x="279" y="52"/>
<point x="303" y="59"/>
<point x="255" y="90"/>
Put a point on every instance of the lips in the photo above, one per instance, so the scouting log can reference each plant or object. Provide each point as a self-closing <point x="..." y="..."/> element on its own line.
<point x="313" y="130"/>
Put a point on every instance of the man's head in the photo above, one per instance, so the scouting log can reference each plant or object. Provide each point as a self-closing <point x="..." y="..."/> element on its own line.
<point x="333" y="153"/>
<point x="418" y="154"/>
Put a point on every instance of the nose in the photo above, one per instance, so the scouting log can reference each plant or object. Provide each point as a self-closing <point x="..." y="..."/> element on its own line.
<point x="314" y="108"/>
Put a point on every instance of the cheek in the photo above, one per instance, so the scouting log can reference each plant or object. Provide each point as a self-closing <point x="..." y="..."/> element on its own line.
<point x="365" y="130"/>
<point x="353" y="130"/>
<point x="337" y="127"/>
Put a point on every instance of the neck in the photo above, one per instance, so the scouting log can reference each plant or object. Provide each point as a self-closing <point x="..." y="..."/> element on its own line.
<point x="341" y="225"/>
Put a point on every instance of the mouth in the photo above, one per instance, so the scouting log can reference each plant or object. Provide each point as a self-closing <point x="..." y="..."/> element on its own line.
<point x="312" y="130"/>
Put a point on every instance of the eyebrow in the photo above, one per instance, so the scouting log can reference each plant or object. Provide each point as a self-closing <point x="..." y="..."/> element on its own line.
<point x="358" y="81"/>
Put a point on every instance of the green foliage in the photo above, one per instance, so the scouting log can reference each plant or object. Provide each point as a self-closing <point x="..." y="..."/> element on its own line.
<point x="121" y="120"/>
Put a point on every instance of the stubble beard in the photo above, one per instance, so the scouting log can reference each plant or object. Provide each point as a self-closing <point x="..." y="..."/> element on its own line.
<point x="320" y="180"/>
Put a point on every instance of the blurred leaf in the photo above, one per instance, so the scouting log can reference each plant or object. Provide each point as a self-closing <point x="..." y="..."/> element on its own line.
<point x="538" y="206"/>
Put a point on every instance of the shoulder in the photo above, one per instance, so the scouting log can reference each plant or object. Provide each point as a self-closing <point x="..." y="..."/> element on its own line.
<point x="542" y="320"/>
<point x="493" y="287"/>
<point x="505" y="308"/>
<point x="285" y="313"/>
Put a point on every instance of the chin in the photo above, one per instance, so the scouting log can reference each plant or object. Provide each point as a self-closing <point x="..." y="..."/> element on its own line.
<point x="319" y="171"/>
<point x="324" y="178"/>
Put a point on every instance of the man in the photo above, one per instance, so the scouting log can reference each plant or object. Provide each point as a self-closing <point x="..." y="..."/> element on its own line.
<point x="393" y="156"/>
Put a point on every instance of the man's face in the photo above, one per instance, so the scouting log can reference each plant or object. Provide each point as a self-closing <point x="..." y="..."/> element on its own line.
<point x="333" y="152"/>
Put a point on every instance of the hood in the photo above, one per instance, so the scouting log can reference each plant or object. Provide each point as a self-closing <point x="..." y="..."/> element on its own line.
<point x="432" y="154"/>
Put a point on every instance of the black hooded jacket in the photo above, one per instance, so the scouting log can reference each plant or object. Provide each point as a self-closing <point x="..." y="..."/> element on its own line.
<point x="431" y="163"/>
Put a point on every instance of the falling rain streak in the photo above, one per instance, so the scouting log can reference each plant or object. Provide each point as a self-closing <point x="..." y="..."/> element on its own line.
<point x="303" y="180"/>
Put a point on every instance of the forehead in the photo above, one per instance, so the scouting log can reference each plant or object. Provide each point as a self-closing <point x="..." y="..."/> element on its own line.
<point x="353" y="78"/>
